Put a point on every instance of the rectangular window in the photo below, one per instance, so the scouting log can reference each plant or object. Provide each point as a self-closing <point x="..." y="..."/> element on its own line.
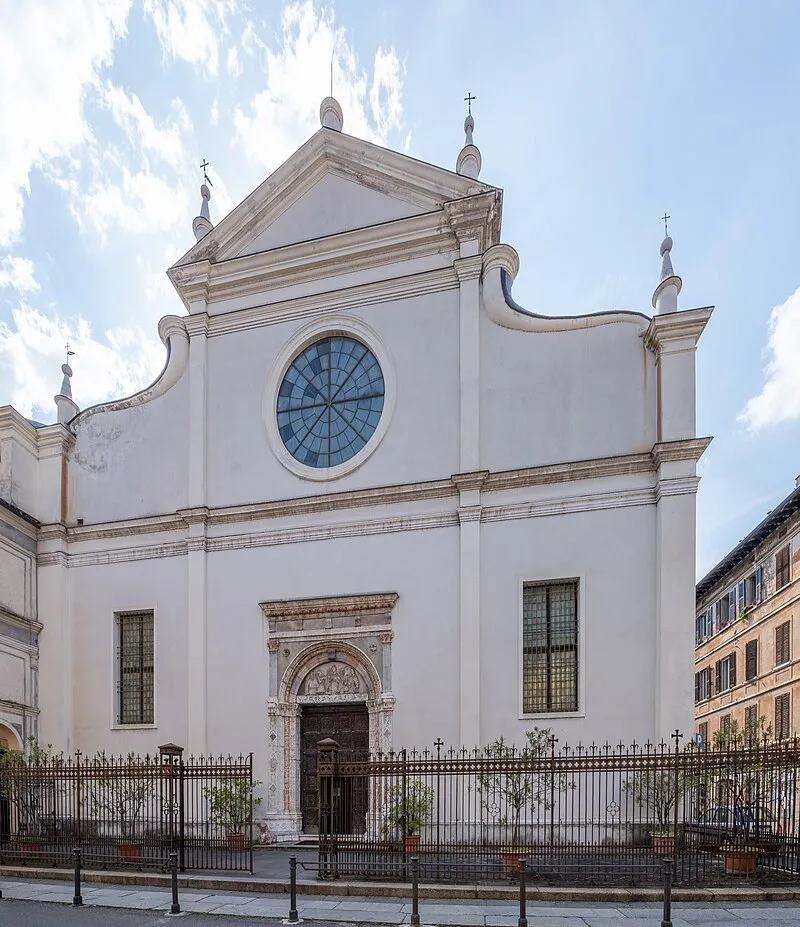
<point x="751" y="724"/>
<point x="724" y="724"/>
<point x="751" y="660"/>
<point x="782" y="571"/>
<point x="741" y="598"/>
<point x="782" y="650"/>
<point x="550" y="647"/>
<point x="702" y="730"/>
<point x="782" y="716"/>
<point x="135" y="704"/>
<point x="726" y="673"/>
<point x="702" y="685"/>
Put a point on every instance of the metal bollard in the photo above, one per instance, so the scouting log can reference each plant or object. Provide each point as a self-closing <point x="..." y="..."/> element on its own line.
<point x="77" y="898"/>
<point x="523" y="894"/>
<point x="293" y="915"/>
<point x="666" y="920"/>
<point x="415" y="891"/>
<point x="175" y="908"/>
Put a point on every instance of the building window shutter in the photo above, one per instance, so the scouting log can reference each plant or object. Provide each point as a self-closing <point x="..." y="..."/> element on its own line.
<point x="782" y="650"/>
<point x="759" y="583"/>
<point x="732" y="665"/>
<point x="782" y="716"/>
<point x="718" y="674"/>
<point x="782" y="571"/>
<point x="751" y="660"/>
<point x="697" y="687"/>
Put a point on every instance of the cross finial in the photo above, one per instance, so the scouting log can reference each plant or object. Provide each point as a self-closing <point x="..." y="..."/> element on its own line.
<point x="468" y="100"/>
<point x="203" y="167"/>
<point x="69" y="353"/>
<point x="665" y="217"/>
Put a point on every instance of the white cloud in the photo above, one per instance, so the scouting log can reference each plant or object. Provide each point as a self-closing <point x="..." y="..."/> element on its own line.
<point x="31" y="354"/>
<point x="189" y="30"/>
<point x="18" y="273"/>
<point x="44" y="79"/>
<point x="779" y="399"/>
<point x="285" y="113"/>
<point x="234" y="65"/>
<point x="165" y="142"/>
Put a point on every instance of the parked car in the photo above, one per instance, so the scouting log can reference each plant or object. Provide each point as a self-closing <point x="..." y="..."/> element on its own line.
<point x="722" y="824"/>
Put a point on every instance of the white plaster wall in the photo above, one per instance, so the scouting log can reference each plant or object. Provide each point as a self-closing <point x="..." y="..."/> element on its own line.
<point x="422" y="566"/>
<point x="96" y="593"/>
<point x="18" y="474"/>
<point x="131" y="462"/>
<point x="421" y="335"/>
<point x="612" y="553"/>
<point x="14" y="571"/>
<point x="334" y="204"/>
<point x="12" y="672"/>
<point x="556" y="396"/>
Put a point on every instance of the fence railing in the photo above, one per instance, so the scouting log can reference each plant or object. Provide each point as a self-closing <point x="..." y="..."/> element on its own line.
<point x="589" y="814"/>
<point x="127" y="812"/>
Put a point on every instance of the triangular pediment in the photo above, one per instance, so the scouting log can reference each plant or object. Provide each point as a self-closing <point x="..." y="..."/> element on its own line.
<point x="334" y="183"/>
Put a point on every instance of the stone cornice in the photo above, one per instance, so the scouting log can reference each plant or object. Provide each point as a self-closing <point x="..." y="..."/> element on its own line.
<point x="476" y="218"/>
<point x="20" y="621"/>
<point x="666" y="331"/>
<point x="366" y="294"/>
<point x="54" y="440"/>
<point x="377" y="603"/>
<point x="688" y="449"/>
<point x="24" y="523"/>
<point x="487" y="482"/>
<point x="11" y="421"/>
<point x="309" y="261"/>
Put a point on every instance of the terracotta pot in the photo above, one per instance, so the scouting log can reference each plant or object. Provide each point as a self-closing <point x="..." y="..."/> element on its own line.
<point x="412" y="843"/>
<point x="511" y="862"/>
<point x="130" y="850"/>
<point x="738" y="862"/>
<point x="29" y="846"/>
<point x="235" y="841"/>
<point x="664" y="845"/>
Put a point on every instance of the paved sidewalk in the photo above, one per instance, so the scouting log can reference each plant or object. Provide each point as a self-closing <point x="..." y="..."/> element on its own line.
<point x="355" y="910"/>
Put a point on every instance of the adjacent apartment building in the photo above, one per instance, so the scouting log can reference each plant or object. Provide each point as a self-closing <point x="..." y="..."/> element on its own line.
<point x="746" y="632"/>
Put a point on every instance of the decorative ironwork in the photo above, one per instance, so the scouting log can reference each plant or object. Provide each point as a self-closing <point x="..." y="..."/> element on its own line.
<point x="126" y="812"/>
<point x="594" y="815"/>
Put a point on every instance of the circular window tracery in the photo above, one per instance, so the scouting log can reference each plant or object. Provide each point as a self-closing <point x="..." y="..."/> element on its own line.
<point x="330" y="401"/>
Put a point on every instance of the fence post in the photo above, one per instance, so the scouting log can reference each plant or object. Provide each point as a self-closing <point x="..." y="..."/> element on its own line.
<point x="77" y="898"/>
<point x="327" y="753"/>
<point x="293" y="915"/>
<point x="676" y="796"/>
<point x="415" y="891"/>
<point x="666" y="920"/>
<point x="523" y="893"/>
<point x="175" y="908"/>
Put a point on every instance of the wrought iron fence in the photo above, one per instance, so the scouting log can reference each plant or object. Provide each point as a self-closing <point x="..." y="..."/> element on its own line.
<point x="590" y="815"/>
<point x="127" y="812"/>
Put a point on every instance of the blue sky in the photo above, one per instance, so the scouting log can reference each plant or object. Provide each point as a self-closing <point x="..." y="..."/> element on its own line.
<point x="594" y="117"/>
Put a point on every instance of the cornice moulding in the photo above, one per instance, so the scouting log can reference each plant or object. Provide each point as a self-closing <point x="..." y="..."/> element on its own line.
<point x="688" y="449"/>
<point x="675" y="326"/>
<point x="19" y="427"/>
<point x="377" y="603"/>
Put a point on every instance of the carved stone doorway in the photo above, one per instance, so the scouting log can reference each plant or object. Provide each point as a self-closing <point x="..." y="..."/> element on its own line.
<point x="348" y="725"/>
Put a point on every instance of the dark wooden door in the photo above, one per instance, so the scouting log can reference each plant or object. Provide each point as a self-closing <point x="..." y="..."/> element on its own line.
<point x="348" y="725"/>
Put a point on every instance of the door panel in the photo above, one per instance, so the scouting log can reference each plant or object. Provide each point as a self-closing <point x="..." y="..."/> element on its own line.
<point x="348" y="725"/>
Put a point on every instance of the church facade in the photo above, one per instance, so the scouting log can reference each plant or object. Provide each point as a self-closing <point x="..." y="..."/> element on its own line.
<point x="368" y="497"/>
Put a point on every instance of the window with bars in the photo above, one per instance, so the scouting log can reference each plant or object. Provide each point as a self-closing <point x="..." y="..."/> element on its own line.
<point x="782" y="570"/>
<point x="549" y="647"/>
<point x="782" y="649"/>
<point x="724" y="724"/>
<point x="135" y="677"/>
<point x="782" y="727"/>
<point x="751" y="660"/>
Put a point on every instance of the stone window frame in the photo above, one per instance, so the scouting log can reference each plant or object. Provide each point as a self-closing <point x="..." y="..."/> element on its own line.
<point x="116" y="723"/>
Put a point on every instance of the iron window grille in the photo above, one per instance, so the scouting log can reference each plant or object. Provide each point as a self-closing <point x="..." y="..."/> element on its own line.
<point x="782" y="649"/>
<point x="725" y="724"/>
<point x="135" y="668"/>
<point x="751" y="724"/>
<point x="782" y="568"/>
<point x="782" y="707"/>
<point x="550" y="647"/>
<point x="751" y="660"/>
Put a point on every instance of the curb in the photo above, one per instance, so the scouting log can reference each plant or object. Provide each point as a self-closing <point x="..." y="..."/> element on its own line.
<point x="726" y="894"/>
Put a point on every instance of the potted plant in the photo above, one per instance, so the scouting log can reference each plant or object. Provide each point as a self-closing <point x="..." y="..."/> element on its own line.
<point x="408" y="809"/>
<point x="740" y="857"/>
<point x="232" y="806"/>
<point x="24" y="785"/>
<point x="122" y="797"/>
<point x="656" y="790"/>
<point x="519" y="782"/>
